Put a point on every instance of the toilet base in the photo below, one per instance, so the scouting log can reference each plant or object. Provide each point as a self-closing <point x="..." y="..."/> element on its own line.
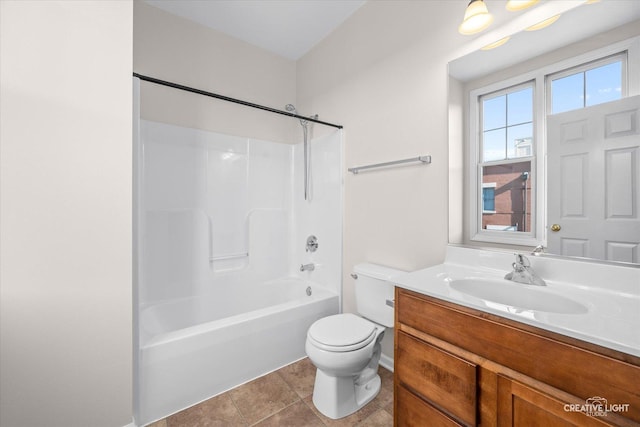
<point x="337" y="397"/>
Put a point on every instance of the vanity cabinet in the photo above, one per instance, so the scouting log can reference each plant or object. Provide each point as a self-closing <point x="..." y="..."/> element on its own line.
<point x="456" y="366"/>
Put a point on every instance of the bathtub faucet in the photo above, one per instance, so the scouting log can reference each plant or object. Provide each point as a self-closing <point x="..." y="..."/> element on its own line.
<point x="307" y="267"/>
<point x="523" y="273"/>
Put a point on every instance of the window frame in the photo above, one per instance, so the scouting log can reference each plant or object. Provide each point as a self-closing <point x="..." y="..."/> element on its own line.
<point x="477" y="233"/>
<point x="540" y="77"/>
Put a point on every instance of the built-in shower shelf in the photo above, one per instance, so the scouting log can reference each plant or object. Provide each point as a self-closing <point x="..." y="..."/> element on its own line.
<point x="229" y="256"/>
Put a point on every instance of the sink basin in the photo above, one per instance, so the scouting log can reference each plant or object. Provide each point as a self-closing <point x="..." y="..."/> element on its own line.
<point x="511" y="294"/>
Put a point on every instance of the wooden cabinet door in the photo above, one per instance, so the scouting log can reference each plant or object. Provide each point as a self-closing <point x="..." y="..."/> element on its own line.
<point x="411" y="411"/>
<point x="522" y="406"/>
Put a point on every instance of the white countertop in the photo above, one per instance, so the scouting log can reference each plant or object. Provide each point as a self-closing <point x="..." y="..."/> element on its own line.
<point x="611" y="294"/>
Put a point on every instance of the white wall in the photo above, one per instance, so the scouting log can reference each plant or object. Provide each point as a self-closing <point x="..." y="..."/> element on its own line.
<point x="65" y="109"/>
<point x="209" y="195"/>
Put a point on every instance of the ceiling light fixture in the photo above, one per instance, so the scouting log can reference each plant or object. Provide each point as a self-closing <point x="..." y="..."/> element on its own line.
<point x="476" y="18"/>
<point x="543" y="24"/>
<point x="496" y="44"/>
<point x="517" y="5"/>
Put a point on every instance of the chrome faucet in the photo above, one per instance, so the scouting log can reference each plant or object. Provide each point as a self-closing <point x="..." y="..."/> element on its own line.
<point x="523" y="273"/>
<point x="307" y="267"/>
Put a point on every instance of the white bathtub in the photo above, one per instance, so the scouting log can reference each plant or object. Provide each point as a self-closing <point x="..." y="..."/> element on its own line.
<point x="195" y="348"/>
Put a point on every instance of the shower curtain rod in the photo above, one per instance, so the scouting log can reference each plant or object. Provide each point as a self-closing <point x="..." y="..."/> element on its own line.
<point x="234" y="100"/>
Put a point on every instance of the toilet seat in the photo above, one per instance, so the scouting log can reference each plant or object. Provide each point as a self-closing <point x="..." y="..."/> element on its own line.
<point x="342" y="333"/>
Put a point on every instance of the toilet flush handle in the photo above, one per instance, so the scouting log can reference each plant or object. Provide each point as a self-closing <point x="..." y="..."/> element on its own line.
<point x="391" y="303"/>
<point x="354" y="275"/>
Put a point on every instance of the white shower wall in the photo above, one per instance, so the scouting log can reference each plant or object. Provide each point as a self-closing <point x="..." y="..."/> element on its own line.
<point x="217" y="205"/>
<point x="321" y="215"/>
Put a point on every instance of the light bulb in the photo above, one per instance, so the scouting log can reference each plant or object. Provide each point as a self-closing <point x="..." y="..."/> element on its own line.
<point x="543" y="24"/>
<point x="516" y="5"/>
<point x="476" y="18"/>
<point x="496" y="44"/>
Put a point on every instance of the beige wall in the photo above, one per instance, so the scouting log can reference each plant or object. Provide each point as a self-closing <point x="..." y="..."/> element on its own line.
<point x="65" y="110"/>
<point x="171" y="48"/>
<point x="383" y="75"/>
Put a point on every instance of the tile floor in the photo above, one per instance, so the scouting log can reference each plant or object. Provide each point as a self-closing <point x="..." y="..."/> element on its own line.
<point x="281" y="399"/>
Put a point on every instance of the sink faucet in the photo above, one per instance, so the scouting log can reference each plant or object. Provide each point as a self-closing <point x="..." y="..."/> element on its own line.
<point x="307" y="267"/>
<point x="523" y="273"/>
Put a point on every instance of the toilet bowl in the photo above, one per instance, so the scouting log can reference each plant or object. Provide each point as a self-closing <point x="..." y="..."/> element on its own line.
<point x="345" y="348"/>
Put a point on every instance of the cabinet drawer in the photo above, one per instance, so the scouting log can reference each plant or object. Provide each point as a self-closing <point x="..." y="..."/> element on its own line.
<point x="411" y="411"/>
<point x="444" y="380"/>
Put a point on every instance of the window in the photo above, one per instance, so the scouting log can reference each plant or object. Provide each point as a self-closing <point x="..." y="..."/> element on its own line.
<point x="489" y="197"/>
<point x="507" y="124"/>
<point x="506" y="157"/>
<point x="507" y="139"/>
<point x="588" y="84"/>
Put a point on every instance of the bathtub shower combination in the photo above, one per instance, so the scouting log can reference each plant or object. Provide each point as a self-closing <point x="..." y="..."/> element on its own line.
<point x="222" y="226"/>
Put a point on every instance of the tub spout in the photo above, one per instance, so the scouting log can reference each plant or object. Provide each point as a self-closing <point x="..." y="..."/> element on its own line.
<point x="307" y="267"/>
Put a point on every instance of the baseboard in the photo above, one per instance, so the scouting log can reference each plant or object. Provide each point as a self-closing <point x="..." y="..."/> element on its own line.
<point x="386" y="362"/>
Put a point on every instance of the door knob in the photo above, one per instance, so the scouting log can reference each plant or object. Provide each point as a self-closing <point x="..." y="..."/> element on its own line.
<point x="555" y="227"/>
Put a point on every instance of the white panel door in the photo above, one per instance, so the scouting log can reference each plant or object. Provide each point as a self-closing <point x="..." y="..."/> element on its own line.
<point x="593" y="186"/>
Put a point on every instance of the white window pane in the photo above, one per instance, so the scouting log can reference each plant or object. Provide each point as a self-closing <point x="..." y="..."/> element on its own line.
<point x="494" y="112"/>
<point x="567" y="93"/>
<point x="494" y="145"/>
<point x="520" y="141"/>
<point x="520" y="106"/>
<point x="604" y="84"/>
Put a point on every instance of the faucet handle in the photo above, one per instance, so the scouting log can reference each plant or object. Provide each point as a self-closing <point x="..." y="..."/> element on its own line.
<point x="540" y="249"/>
<point x="522" y="260"/>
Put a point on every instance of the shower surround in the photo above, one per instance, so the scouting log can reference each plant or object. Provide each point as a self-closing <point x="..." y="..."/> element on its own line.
<point x="222" y="226"/>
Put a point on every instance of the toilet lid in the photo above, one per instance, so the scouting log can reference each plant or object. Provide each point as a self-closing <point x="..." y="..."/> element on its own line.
<point x="342" y="332"/>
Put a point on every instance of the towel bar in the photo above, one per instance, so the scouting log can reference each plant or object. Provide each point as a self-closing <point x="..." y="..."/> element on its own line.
<point x="422" y="159"/>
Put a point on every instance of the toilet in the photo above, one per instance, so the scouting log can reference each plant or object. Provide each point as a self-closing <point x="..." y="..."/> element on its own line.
<point x="345" y="348"/>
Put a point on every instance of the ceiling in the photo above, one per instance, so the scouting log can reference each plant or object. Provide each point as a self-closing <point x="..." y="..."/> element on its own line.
<point x="289" y="28"/>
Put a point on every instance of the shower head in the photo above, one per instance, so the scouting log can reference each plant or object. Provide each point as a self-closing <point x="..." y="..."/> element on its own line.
<point x="292" y="109"/>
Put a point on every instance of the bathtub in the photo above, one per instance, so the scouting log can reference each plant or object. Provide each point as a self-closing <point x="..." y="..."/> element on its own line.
<point x="195" y="348"/>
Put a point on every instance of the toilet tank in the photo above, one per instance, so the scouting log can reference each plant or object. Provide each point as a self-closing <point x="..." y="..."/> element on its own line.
<point x="374" y="295"/>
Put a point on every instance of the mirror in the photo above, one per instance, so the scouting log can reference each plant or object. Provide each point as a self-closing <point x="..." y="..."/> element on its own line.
<point x="583" y="27"/>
